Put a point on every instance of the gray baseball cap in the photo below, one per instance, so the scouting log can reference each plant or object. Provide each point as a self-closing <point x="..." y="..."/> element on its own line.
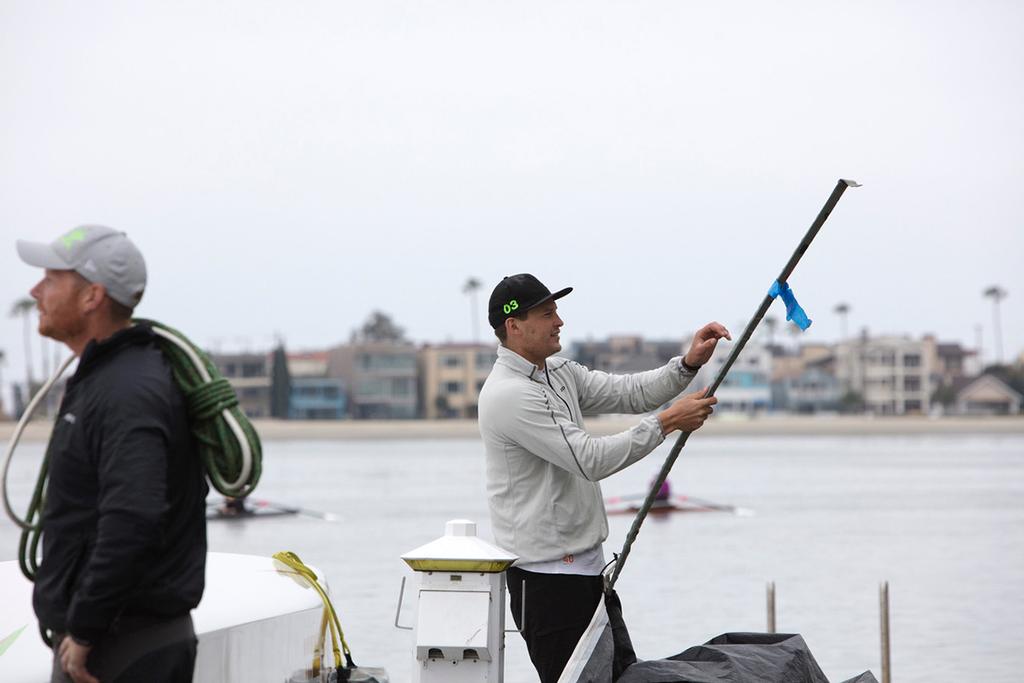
<point x="101" y="255"/>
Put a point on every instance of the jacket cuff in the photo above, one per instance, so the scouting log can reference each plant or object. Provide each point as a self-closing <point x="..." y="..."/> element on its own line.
<point x="683" y="371"/>
<point x="85" y="630"/>
<point x="653" y="424"/>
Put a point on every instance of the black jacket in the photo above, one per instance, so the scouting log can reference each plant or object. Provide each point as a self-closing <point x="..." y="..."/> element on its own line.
<point x="124" y="523"/>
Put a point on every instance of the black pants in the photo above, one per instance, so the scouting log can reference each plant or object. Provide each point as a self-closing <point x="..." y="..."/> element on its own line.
<point x="559" y="608"/>
<point x="139" y="651"/>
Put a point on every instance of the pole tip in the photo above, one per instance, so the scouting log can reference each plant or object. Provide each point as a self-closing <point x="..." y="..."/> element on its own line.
<point x="849" y="183"/>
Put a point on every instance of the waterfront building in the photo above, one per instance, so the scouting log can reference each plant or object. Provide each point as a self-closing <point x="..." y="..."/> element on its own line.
<point x="747" y="388"/>
<point x="988" y="395"/>
<point x="317" y="398"/>
<point x="250" y="376"/>
<point x="625" y="354"/>
<point x="380" y="377"/>
<point x="890" y="375"/>
<point x="312" y="394"/>
<point x="950" y="360"/>
<point x="450" y="378"/>
<point x="803" y="379"/>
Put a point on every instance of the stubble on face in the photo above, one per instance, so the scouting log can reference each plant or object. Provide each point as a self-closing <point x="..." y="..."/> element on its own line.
<point x="543" y="330"/>
<point x="58" y="300"/>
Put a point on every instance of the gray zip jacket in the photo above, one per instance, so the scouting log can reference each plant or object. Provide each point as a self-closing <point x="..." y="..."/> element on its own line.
<point x="542" y="467"/>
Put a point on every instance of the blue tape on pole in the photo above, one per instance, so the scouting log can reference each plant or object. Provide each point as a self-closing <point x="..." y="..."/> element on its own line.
<point x="794" y="311"/>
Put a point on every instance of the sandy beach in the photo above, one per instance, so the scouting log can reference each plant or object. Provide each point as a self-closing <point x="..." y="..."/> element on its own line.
<point x="295" y="430"/>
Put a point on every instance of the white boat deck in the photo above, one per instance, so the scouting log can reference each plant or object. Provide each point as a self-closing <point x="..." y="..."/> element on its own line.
<point x="257" y="622"/>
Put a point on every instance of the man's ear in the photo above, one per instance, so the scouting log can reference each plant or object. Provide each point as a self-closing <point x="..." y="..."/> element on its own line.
<point x="92" y="296"/>
<point x="511" y="324"/>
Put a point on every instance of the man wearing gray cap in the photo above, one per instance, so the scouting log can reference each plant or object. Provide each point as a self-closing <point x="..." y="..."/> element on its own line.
<point x="124" y="522"/>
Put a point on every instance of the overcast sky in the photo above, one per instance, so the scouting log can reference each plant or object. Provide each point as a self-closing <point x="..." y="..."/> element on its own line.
<point x="288" y="167"/>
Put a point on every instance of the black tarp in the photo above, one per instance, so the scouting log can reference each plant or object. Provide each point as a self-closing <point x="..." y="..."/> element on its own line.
<point x="605" y="655"/>
<point x="738" y="658"/>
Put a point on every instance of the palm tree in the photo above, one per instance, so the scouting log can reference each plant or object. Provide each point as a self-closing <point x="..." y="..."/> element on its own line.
<point x="997" y="294"/>
<point x="471" y="287"/>
<point x="24" y="308"/>
<point x="44" y="358"/>
<point x="771" y="323"/>
<point x="842" y="309"/>
<point x="794" y="331"/>
<point x="3" y="359"/>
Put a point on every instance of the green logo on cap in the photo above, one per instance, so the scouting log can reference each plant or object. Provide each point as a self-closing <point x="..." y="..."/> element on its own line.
<point x="510" y="306"/>
<point x="76" y="235"/>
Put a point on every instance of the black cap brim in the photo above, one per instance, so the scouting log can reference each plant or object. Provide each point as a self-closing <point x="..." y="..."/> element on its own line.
<point x="550" y="297"/>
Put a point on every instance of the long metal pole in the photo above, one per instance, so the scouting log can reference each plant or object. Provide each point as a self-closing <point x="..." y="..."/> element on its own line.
<point x="823" y="215"/>
<point x="771" y="607"/>
<point x="883" y="609"/>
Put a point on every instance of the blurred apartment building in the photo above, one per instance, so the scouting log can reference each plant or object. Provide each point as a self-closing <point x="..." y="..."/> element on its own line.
<point x="803" y="379"/>
<point x="624" y="354"/>
<point x="898" y="375"/>
<point x="381" y="376"/>
<point x="450" y="378"/>
<point x="313" y="394"/>
<point x="747" y="388"/>
<point x="250" y="376"/>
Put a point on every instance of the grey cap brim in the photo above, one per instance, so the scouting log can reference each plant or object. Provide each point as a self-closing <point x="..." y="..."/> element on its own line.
<point x="41" y="256"/>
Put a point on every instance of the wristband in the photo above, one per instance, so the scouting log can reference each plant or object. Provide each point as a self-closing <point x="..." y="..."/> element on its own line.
<point x="686" y="366"/>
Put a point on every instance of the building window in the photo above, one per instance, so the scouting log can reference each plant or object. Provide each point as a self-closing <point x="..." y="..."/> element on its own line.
<point x="450" y="388"/>
<point x="402" y="386"/>
<point x="912" y="384"/>
<point x="485" y="360"/>
<point x="912" y="360"/>
<point x="451" y="361"/>
<point x="386" y="361"/>
<point x="370" y="387"/>
<point x="252" y="370"/>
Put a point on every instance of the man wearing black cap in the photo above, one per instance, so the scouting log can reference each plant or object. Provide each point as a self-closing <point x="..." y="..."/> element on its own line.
<point x="124" y="522"/>
<point x="543" y="468"/>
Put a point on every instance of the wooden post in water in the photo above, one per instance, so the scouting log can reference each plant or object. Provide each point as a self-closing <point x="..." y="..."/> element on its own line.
<point x="883" y="598"/>
<point x="771" y="607"/>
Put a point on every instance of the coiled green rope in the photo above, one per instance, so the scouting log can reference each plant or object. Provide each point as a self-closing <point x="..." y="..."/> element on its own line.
<point x="228" y="444"/>
<point x="223" y="431"/>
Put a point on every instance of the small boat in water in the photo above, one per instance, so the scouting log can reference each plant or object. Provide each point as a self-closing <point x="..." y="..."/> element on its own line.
<point x="236" y="509"/>
<point x="631" y="504"/>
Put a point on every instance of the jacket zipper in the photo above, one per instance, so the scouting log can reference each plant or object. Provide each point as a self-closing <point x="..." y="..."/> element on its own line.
<point x="547" y="376"/>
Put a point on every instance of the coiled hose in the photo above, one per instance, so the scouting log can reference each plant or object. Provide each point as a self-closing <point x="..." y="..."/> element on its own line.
<point x="228" y="444"/>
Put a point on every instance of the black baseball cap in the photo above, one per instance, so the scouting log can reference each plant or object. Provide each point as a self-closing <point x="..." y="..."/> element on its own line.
<point x="518" y="294"/>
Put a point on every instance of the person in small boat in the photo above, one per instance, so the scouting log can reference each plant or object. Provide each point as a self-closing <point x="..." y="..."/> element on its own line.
<point x="543" y="468"/>
<point x="664" y="493"/>
<point x="124" y="523"/>
<point x="233" y="507"/>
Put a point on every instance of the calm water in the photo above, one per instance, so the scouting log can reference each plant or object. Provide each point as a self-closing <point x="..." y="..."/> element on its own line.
<point x="942" y="519"/>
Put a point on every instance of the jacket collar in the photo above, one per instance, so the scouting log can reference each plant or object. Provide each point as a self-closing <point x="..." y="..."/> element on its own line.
<point x="97" y="352"/>
<point x="513" y="361"/>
